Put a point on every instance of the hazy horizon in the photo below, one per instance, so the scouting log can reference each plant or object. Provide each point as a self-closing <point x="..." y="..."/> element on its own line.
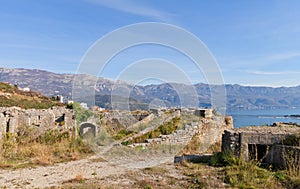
<point x="158" y="83"/>
<point x="255" y="43"/>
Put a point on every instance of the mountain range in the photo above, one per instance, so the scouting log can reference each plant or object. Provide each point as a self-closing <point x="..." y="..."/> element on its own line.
<point x="238" y="97"/>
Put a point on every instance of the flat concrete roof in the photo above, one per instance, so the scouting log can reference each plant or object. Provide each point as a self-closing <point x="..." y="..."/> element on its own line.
<point x="284" y="129"/>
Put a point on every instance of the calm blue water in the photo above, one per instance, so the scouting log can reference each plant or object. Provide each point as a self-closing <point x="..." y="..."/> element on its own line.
<point x="263" y="117"/>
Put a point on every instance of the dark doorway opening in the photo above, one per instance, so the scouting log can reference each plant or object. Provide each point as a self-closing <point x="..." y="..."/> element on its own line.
<point x="7" y="126"/>
<point x="87" y="129"/>
<point x="258" y="152"/>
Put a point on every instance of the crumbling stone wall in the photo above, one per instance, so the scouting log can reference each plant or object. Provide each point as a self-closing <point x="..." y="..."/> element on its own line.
<point x="260" y="143"/>
<point x="231" y="142"/>
<point x="238" y="142"/>
<point x="284" y="156"/>
<point x="209" y="131"/>
<point x="91" y="127"/>
<point x="146" y="120"/>
<point x="206" y="113"/>
<point x="12" y="118"/>
<point x="117" y="120"/>
<point x="181" y="136"/>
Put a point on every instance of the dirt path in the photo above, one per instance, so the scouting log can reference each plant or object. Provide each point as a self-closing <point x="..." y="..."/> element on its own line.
<point x="94" y="167"/>
<point x="108" y="167"/>
<point x="41" y="176"/>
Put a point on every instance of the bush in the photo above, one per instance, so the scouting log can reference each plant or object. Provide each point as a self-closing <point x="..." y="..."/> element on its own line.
<point x="292" y="140"/>
<point x="81" y="114"/>
<point x="121" y="134"/>
<point x="242" y="174"/>
<point x="224" y="159"/>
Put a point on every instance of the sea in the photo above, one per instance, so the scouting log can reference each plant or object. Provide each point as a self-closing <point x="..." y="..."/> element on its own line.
<point x="242" y="118"/>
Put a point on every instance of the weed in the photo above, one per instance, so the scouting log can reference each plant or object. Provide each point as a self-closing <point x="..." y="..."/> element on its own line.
<point x="99" y="159"/>
<point x="164" y="129"/>
<point x="145" y="184"/>
<point x="78" y="179"/>
<point x="292" y="140"/>
<point x="21" y="149"/>
<point x="121" y="134"/>
<point x="244" y="174"/>
<point x="290" y="176"/>
<point x="155" y="170"/>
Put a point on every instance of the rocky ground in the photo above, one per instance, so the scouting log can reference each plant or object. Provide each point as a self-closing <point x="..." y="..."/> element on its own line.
<point x="140" y="170"/>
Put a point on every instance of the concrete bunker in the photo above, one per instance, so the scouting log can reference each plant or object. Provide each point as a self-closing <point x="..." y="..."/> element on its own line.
<point x="258" y="152"/>
<point x="262" y="144"/>
<point x="87" y="129"/>
<point x="205" y="113"/>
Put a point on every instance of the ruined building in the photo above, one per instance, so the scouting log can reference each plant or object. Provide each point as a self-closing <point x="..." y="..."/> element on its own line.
<point x="263" y="144"/>
<point x="12" y="118"/>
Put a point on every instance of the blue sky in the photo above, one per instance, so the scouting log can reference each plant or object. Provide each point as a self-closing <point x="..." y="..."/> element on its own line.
<point x="254" y="42"/>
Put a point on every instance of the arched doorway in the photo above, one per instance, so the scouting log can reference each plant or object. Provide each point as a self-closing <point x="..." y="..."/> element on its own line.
<point x="87" y="129"/>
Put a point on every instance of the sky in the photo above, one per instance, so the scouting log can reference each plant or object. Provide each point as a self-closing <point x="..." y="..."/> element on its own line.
<point x="254" y="43"/>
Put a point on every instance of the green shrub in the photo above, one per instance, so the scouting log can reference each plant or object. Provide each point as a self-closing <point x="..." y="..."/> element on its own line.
<point x="53" y="136"/>
<point x="9" y="146"/>
<point x="81" y="114"/>
<point x="224" y="159"/>
<point x="164" y="129"/>
<point x="121" y="134"/>
<point x="292" y="140"/>
<point x="242" y="174"/>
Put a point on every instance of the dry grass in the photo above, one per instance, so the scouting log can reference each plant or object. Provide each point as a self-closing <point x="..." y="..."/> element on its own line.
<point x="99" y="159"/>
<point x="249" y="175"/>
<point x="164" y="129"/>
<point x="16" y="151"/>
<point x="165" y="176"/>
<point x="17" y="97"/>
<point x="244" y="174"/>
<point x="203" y="176"/>
<point x="214" y="148"/>
<point x="78" y="179"/>
<point x="155" y="170"/>
<point x="193" y="147"/>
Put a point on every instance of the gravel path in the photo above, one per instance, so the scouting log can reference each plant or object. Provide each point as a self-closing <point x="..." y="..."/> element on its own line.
<point x="94" y="167"/>
<point x="41" y="176"/>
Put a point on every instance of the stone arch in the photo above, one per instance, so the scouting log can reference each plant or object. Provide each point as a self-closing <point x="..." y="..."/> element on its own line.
<point x="86" y="128"/>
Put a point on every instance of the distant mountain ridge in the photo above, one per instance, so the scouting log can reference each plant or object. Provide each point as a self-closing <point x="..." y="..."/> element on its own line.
<point x="238" y="97"/>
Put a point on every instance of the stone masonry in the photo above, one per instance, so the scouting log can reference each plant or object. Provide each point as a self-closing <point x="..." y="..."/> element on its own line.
<point x="12" y="118"/>
<point x="209" y="131"/>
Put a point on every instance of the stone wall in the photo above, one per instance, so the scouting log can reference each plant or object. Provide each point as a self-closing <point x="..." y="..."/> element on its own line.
<point x="284" y="156"/>
<point x="238" y="142"/>
<point x="145" y="120"/>
<point x="181" y="136"/>
<point x="231" y="142"/>
<point x="12" y="118"/>
<point x="207" y="131"/>
<point x="212" y="130"/>
<point x="206" y="113"/>
<point x="121" y="119"/>
<point x="260" y="143"/>
<point x="92" y="127"/>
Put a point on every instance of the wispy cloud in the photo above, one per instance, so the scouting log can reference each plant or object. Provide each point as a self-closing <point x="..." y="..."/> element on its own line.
<point x="271" y="58"/>
<point x="283" y="56"/>
<point x="256" y="72"/>
<point x="248" y="62"/>
<point x="134" y="7"/>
